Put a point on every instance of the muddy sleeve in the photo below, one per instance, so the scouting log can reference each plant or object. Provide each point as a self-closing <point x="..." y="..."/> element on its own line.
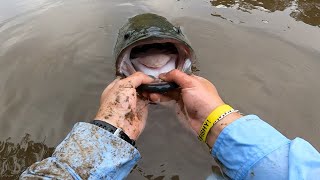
<point x="88" y="152"/>
<point x="249" y="148"/>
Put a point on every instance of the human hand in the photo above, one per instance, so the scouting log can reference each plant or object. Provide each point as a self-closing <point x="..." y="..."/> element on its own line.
<point x="196" y="100"/>
<point x="121" y="107"/>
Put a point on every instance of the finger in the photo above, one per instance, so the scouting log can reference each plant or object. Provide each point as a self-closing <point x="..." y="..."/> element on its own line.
<point x="182" y="79"/>
<point x="163" y="100"/>
<point x="137" y="79"/>
<point x="168" y="96"/>
<point x="154" y="97"/>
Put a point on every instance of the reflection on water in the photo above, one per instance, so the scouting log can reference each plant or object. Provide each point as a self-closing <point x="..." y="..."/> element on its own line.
<point x="15" y="157"/>
<point x="307" y="11"/>
<point x="13" y="8"/>
<point x="269" y="5"/>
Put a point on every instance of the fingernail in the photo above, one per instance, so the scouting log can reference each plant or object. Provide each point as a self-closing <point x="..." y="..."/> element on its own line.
<point x="152" y="76"/>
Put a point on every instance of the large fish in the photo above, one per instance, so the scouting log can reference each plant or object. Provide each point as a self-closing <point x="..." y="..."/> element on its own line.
<point x="151" y="44"/>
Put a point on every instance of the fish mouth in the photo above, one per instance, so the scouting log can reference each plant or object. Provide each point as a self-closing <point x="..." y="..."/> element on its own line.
<point x="155" y="55"/>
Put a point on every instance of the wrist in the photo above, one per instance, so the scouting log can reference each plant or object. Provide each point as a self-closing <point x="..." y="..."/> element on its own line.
<point x="130" y="131"/>
<point x="118" y="132"/>
<point x="218" y="127"/>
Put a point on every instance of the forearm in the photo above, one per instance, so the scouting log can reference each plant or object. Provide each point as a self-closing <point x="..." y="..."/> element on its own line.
<point x="249" y="148"/>
<point x="243" y="143"/>
<point x="88" y="152"/>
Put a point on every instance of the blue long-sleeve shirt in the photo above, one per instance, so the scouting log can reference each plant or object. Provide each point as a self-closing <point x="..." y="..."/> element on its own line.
<point x="248" y="148"/>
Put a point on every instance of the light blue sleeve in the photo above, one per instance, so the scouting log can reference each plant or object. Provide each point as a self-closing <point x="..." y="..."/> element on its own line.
<point x="88" y="152"/>
<point x="249" y="148"/>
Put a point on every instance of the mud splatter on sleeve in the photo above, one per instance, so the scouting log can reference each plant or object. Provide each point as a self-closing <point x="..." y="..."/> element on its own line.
<point x="88" y="152"/>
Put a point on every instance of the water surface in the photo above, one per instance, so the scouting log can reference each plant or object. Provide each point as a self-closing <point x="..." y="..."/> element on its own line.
<point x="56" y="59"/>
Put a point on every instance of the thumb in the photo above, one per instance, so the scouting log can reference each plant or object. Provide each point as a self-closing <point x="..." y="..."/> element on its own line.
<point x="137" y="79"/>
<point x="182" y="79"/>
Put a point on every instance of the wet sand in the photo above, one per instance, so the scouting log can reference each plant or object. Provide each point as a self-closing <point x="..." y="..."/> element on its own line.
<point x="56" y="59"/>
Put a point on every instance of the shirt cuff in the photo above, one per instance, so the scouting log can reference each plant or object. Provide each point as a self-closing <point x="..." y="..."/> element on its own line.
<point x="95" y="153"/>
<point x="243" y="143"/>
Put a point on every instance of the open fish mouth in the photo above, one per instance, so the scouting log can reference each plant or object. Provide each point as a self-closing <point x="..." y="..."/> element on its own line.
<point x="155" y="56"/>
<point x="150" y="44"/>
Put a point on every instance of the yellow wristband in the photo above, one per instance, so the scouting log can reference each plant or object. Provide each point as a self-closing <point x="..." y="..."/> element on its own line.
<point x="211" y="120"/>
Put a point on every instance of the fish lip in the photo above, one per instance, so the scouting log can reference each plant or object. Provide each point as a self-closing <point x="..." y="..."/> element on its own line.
<point x="149" y="39"/>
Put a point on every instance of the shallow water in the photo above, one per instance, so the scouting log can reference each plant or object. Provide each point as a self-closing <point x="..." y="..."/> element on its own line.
<point x="56" y="58"/>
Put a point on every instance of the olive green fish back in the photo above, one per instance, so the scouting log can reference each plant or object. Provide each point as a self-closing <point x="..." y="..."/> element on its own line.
<point x="144" y="26"/>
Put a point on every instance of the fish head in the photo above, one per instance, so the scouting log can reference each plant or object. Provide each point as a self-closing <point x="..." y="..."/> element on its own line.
<point x="151" y="44"/>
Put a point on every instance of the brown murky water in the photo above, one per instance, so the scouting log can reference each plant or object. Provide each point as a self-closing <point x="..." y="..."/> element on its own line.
<point x="56" y="58"/>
